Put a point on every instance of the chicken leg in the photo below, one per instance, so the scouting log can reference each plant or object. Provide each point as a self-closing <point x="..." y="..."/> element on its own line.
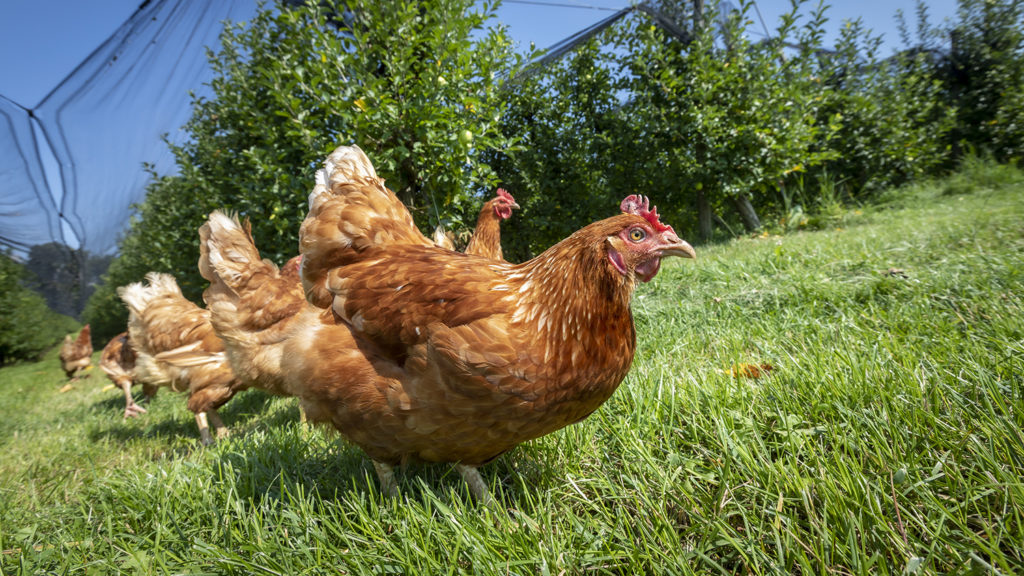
<point x="204" y="429"/>
<point x="131" y="409"/>
<point x="204" y="420"/>
<point x="386" y="474"/>
<point x="218" y="424"/>
<point x="477" y="486"/>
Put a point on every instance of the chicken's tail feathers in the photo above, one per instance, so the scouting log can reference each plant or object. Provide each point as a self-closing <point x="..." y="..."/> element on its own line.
<point x="227" y="253"/>
<point x="345" y="165"/>
<point x="247" y="294"/>
<point x="84" y="337"/>
<point x="442" y="239"/>
<point x="350" y="213"/>
<point x="137" y="296"/>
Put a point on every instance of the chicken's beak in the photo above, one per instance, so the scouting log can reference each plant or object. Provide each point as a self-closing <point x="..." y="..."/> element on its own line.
<point x="672" y="245"/>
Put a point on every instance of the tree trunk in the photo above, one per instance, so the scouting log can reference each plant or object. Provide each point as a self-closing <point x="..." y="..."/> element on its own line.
<point x="747" y="213"/>
<point x="704" y="216"/>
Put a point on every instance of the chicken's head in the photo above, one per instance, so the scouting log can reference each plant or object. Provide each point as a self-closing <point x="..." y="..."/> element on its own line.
<point x="503" y="204"/>
<point x="642" y="241"/>
<point x="292" y="266"/>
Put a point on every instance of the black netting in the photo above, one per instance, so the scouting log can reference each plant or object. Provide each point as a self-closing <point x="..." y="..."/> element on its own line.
<point x="102" y="123"/>
<point x="106" y="120"/>
<point x="28" y="213"/>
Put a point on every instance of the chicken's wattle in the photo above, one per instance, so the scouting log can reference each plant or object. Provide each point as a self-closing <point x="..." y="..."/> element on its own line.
<point x="648" y="269"/>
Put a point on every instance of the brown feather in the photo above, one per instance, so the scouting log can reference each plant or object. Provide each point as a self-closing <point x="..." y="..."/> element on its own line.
<point x="252" y="303"/>
<point x="118" y="360"/>
<point x="350" y="211"/>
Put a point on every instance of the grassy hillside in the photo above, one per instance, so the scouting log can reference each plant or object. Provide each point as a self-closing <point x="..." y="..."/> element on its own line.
<point x="885" y="439"/>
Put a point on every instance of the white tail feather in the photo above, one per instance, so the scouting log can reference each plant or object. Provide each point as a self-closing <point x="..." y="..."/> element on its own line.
<point x="189" y="355"/>
<point x="344" y="164"/>
<point x="137" y="295"/>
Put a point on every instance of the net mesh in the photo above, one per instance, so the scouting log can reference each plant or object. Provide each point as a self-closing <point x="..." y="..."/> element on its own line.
<point x="71" y="168"/>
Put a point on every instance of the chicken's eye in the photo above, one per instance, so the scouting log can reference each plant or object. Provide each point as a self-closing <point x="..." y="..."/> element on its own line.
<point x="637" y="234"/>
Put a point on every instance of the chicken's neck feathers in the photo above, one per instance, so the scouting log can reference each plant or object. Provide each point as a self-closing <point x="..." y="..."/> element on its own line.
<point x="573" y="305"/>
<point x="486" y="239"/>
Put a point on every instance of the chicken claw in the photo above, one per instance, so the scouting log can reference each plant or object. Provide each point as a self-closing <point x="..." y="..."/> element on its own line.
<point x="131" y="410"/>
<point x="204" y="420"/>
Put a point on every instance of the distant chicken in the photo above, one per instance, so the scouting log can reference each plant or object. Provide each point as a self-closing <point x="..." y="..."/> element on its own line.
<point x="177" y="348"/>
<point x="118" y="362"/>
<point x="486" y="240"/>
<point x="76" y="355"/>
<point x="422" y="353"/>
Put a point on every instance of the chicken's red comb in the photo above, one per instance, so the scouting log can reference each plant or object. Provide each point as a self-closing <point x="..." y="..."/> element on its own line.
<point x="502" y="193"/>
<point x="640" y="205"/>
<point x="294" y="262"/>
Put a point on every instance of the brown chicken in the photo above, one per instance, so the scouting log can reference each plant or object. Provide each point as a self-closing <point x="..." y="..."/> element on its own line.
<point x="118" y="362"/>
<point x="486" y="240"/>
<point x="177" y="348"/>
<point x="253" y="305"/>
<point x="251" y="302"/>
<point x="422" y="353"/>
<point x="76" y="355"/>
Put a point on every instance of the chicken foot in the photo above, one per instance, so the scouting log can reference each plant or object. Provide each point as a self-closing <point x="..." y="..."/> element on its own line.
<point x="477" y="486"/>
<point x="131" y="409"/>
<point x="386" y="474"/>
<point x="204" y="420"/>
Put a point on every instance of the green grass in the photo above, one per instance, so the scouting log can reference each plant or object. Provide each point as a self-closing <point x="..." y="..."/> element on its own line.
<point x="886" y="440"/>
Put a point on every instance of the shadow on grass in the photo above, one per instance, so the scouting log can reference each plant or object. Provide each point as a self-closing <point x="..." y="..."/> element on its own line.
<point x="293" y="459"/>
<point x="258" y="408"/>
<point x="296" y="459"/>
<point x="271" y="454"/>
<point x="240" y="413"/>
<point x="146" y="426"/>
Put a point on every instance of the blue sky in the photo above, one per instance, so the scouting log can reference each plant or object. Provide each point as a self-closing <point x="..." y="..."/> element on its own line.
<point x="41" y="41"/>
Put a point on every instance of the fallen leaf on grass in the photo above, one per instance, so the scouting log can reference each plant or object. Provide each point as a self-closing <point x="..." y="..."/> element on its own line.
<point x="748" y="370"/>
<point x="108" y="387"/>
<point x="66" y="387"/>
<point x="41" y="547"/>
<point x="894" y="273"/>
